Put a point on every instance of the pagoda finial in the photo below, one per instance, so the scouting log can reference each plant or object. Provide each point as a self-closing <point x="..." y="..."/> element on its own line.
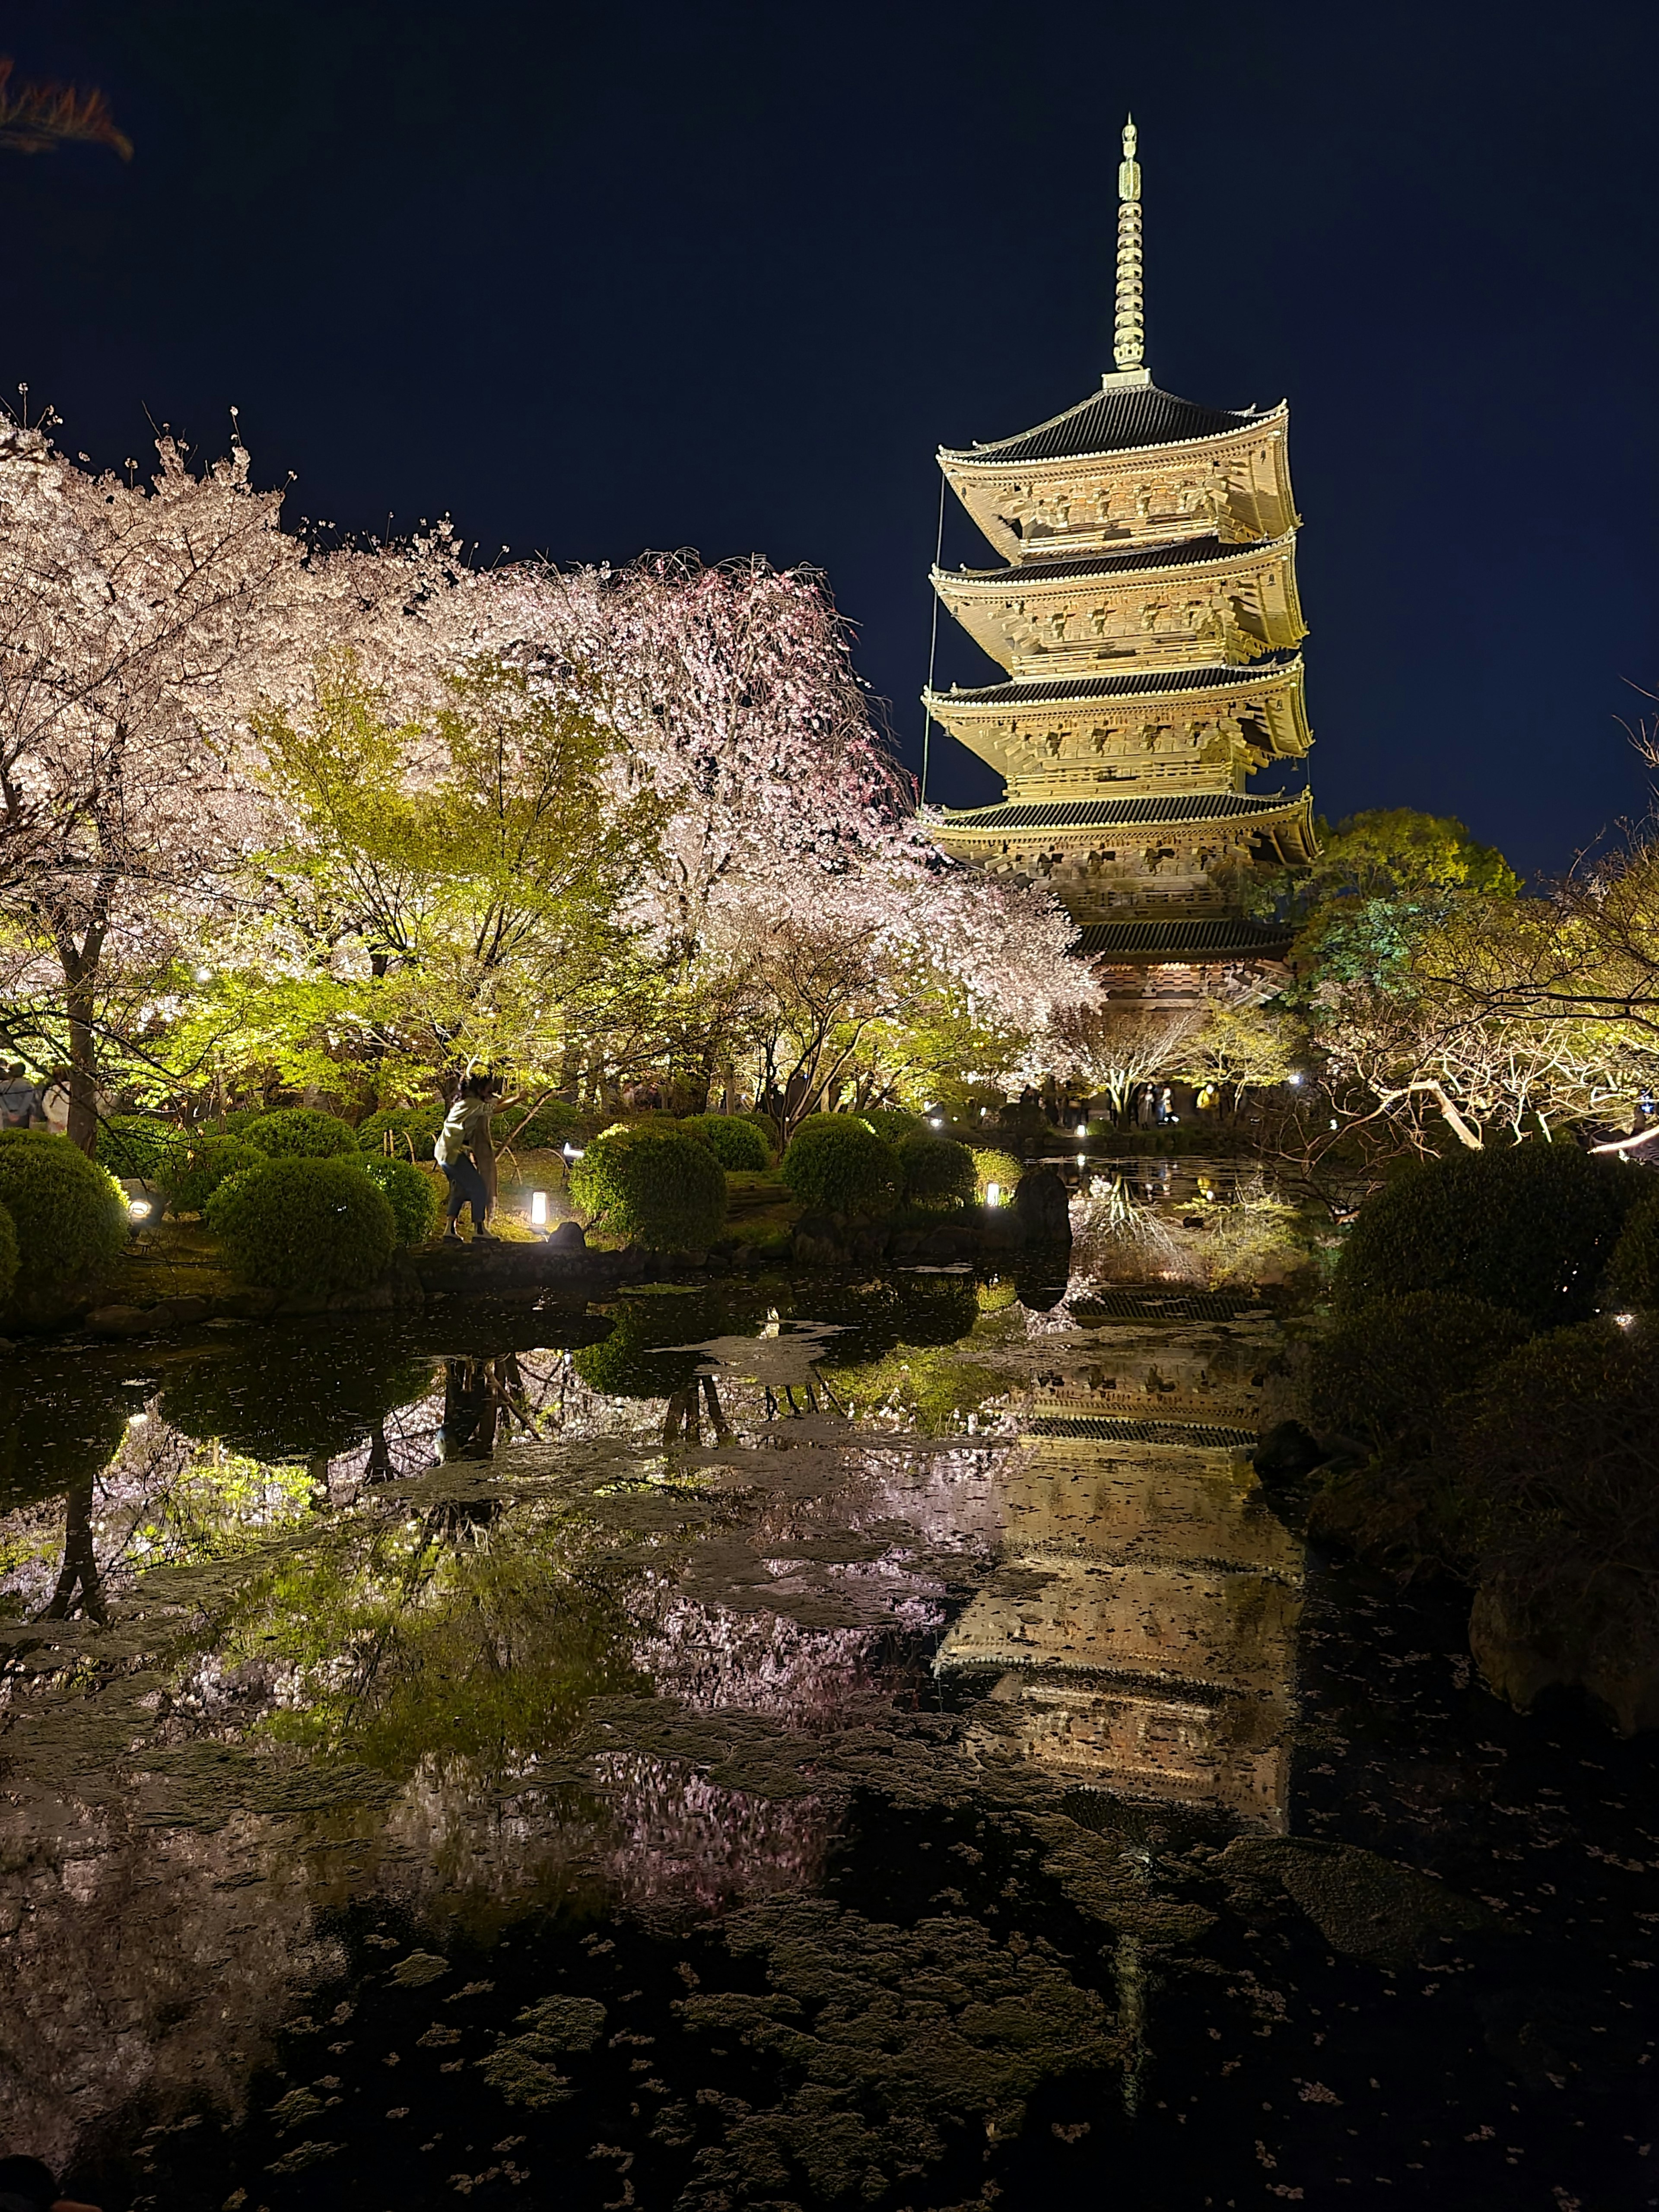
<point x="1128" y="326"/>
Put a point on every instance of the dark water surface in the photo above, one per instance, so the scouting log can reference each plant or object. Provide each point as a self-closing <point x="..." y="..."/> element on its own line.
<point x="815" y="1743"/>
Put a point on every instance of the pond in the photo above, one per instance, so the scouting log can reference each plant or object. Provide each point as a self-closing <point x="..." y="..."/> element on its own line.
<point x="796" y="1742"/>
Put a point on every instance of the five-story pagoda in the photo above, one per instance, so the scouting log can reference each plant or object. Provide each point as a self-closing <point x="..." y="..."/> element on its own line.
<point x="1148" y="620"/>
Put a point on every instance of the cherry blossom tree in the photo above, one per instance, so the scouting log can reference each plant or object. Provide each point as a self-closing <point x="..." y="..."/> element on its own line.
<point x="139" y="624"/>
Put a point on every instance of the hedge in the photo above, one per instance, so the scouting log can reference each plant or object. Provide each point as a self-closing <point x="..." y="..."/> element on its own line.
<point x="1385" y="1375"/>
<point x="196" y="1166"/>
<point x="300" y="1133"/>
<point x="1555" y="1456"/>
<point x="409" y="1126"/>
<point x="415" y="1199"/>
<point x="8" y="1255"/>
<point x="656" y="1187"/>
<point x="136" y="1144"/>
<point x="68" y="1213"/>
<point x="1634" y="1272"/>
<point x="768" y="1128"/>
<point x="837" y="1162"/>
<point x="894" y="1123"/>
<point x="1001" y="1169"/>
<point x="938" y="1173"/>
<point x="736" y="1143"/>
<point x="1530" y="1228"/>
<point x="304" y="1225"/>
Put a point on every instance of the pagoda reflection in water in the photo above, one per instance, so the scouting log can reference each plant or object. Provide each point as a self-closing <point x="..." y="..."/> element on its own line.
<point x="1143" y="1622"/>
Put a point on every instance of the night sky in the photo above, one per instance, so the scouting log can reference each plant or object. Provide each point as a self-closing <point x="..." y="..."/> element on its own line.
<point x="594" y="280"/>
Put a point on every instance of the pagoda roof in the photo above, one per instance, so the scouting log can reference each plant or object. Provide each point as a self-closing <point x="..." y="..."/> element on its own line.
<point x="1148" y="808"/>
<point x="1188" y="938"/>
<point x="1117" y="419"/>
<point x="1186" y="553"/>
<point x="1148" y="682"/>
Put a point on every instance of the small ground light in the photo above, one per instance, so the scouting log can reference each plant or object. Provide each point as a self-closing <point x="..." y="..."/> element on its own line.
<point x="936" y="1123"/>
<point x="138" y="1209"/>
<point x="1625" y="1321"/>
<point x="539" y="1209"/>
<point x="1081" y="1158"/>
<point x="994" y="1194"/>
<point x="1082" y="1128"/>
<point x="1295" y="1076"/>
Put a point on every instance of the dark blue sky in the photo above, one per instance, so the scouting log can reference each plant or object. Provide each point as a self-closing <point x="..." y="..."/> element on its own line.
<point x="594" y="279"/>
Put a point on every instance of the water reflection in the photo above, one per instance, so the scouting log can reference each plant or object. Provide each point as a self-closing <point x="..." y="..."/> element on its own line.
<point x="490" y="1648"/>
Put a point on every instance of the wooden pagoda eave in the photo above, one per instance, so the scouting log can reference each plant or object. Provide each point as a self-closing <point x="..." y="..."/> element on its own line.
<point x="1024" y="577"/>
<point x="985" y="602"/>
<point x="1290" y="827"/>
<point x="981" y="723"/>
<point x="986" y="458"/>
<point x="985" y="484"/>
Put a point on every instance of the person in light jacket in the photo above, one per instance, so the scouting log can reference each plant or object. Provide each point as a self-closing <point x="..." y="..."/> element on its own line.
<point x="462" y="1141"/>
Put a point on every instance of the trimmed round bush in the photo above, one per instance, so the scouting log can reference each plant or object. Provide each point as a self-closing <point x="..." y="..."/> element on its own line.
<point x="1385" y="1374"/>
<point x="8" y="1255"/>
<point x="415" y="1127"/>
<point x="769" y="1129"/>
<point x="1531" y="1228"/>
<point x="196" y="1166"/>
<point x="1001" y="1169"/>
<point x="1555" y="1456"/>
<point x="544" y="1132"/>
<point x="69" y="1215"/>
<point x="300" y="1133"/>
<point x="655" y="1186"/>
<point x="415" y="1199"/>
<point x="136" y="1144"/>
<point x="1635" y="1269"/>
<point x="938" y="1173"/>
<point x="737" y="1144"/>
<point x="894" y="1123"/>
<point x="837" y="1162"/>
<point x="304" y="1225"/>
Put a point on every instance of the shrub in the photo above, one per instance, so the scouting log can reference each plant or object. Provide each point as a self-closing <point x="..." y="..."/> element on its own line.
<point x="1635" y="1268"/>
<point x="655" y="1186"/>
<point x="300" y="1133"/>
<point x="411" y="1127"/>
<point x="938" y="1174"/>
<point x="1385" y="1374"/>
<point x="1556" y="1453"/>
<point x="1001" y="1169"/>
<point x="69" y="1215"/>
<point x="1531" y="1228"/>
<point x="8" y="1255"/>
<point x="736" y="1143"/>
<point x="415" y="1199"/>
<point x="545" y="1131"/>
<point x="837" y="1162"/>
<point x="136" y="1144"/>
<point x="768" y="1128"/>
<point x="893" y="1122"/>
<point x="304" y="1225"/>
<point x="196" y="1166"/>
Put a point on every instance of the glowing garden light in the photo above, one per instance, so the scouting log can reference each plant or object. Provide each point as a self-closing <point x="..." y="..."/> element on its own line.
<point x="138" y="1209"/>
<point x="994" y="1194"/>
<point x="539" y="1209"/>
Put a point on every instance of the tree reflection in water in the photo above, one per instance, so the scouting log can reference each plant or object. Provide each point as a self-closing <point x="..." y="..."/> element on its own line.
<point x="505" y="1642"/>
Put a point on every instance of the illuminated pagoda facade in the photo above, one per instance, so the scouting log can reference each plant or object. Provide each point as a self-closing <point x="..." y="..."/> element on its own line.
<point x="1147" y="616"/>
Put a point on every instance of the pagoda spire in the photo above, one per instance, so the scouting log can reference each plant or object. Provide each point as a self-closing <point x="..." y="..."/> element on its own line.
<point x="1128" y="325"/>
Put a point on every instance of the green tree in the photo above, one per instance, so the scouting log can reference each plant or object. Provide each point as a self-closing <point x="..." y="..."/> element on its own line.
<point x="447" y="891"/>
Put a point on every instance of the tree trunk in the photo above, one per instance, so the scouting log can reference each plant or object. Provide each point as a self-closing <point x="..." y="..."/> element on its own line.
<point x="83" y="1128"/>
